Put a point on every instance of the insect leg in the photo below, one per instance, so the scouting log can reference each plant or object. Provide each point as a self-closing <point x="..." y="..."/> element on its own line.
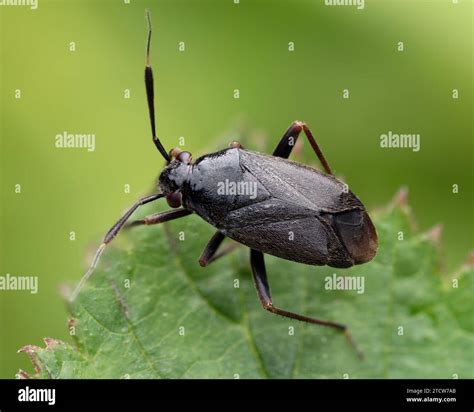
<point x="160" y="218"/>
<point x="209" y="254"/>
<point x="289" y="139"/>
<point x="259" y="272"/>
<point x="113" y="231"/>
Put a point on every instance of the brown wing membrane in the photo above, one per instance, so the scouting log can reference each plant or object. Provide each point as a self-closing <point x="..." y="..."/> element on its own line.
<point x="357" y="233"/>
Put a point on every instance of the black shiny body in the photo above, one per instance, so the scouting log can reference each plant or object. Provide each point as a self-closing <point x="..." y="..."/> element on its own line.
<point x="296" y="212"/>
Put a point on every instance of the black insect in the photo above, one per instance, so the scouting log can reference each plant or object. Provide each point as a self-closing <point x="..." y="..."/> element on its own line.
<point x="295" y="212"/>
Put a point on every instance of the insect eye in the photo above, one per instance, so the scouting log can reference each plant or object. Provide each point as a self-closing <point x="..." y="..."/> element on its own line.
<point x="180" y="156"/>
<point x="184" y="157"/>
<point x="174" y="199"/>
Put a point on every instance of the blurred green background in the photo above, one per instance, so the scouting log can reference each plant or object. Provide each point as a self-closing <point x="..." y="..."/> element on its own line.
<point x="227" y="46"/>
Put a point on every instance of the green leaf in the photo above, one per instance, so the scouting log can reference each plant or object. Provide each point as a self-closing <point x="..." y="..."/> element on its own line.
<point x="178" y="320"/>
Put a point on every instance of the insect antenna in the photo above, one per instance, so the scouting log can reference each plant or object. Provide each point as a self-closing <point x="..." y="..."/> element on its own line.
<point x="116" y="228"/>
<point x="150" y="94"/>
